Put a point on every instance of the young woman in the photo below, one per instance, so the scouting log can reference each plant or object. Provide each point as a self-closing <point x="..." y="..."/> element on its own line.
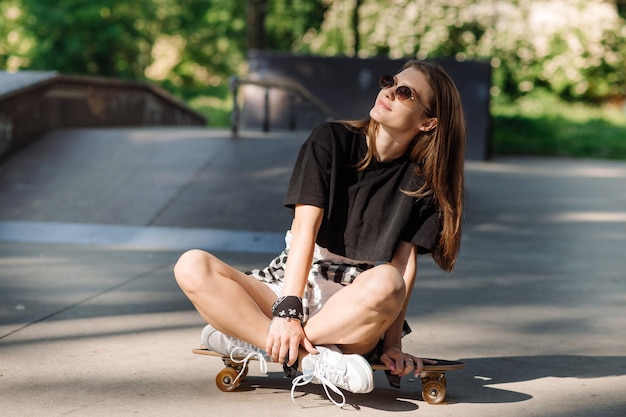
<point x="368" y="198"/>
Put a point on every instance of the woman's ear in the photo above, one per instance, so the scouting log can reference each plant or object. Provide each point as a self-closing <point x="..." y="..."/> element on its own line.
<point x="428" y="124"/>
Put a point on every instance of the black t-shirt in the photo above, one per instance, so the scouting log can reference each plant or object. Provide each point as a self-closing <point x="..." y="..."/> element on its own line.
<point x="365" y="212"/>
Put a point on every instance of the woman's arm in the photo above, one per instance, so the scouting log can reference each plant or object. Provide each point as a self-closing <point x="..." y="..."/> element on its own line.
<point x="304" y="228"/>
<point x="286" y="336"/>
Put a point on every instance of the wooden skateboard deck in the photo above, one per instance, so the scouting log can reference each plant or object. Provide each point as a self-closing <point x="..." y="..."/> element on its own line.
<point x="433" y="377"/>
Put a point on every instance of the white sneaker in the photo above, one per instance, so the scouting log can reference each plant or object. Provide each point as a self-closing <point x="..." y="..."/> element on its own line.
<point x="335" y="370"/>
<point x="238" y="350"/>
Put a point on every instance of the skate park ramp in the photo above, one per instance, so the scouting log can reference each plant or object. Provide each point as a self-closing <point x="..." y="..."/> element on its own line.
<point x="33" y="103"/>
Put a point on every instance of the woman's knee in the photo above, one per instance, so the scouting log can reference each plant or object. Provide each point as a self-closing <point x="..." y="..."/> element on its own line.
<point x="192" y="270"/>
<point x="385" y="283"/>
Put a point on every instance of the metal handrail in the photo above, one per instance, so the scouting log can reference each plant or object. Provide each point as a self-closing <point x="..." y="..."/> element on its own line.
<point x="292" y="87"/>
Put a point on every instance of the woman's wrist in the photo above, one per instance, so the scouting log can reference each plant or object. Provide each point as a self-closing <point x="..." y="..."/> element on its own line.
<point x="288" y="307"/>
<point x="391" y="346"/>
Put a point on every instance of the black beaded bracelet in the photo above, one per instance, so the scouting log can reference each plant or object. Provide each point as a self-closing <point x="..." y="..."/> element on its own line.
<point x="288" y="307"/>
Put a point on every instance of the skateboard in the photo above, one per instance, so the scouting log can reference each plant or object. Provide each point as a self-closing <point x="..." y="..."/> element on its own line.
<point x="433" y="377"/>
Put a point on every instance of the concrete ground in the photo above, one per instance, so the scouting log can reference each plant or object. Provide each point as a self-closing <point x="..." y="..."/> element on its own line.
<point x="93" y="324"/>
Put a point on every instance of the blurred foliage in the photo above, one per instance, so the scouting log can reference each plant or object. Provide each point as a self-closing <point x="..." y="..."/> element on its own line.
<point x="180" y="43"/>
<point x="287" y="21"/>
<point x="85" y="37"/>
<point x="573" y="49"/>
<point x="14" y="45"/>
<point x="185" y="45"/>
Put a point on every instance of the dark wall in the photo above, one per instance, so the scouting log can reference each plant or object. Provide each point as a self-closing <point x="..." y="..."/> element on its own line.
<point x="350" y="85"/>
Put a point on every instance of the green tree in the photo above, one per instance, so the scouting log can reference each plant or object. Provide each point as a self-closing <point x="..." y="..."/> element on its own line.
<point x="180" y="43"/>
<point x="575" y="49"/>
<point x="209" y="39"/>
<point x="14" y="44"/>
<point x="287" y="22"/>
<point x="108" y="38"/>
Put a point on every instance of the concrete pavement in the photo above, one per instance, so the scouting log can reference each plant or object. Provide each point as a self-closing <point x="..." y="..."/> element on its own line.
<point x="93" y="324"/>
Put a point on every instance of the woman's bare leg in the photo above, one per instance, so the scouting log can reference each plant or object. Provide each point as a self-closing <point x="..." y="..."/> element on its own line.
<point x="357" y="316"/>
<point x="228" y="299"/>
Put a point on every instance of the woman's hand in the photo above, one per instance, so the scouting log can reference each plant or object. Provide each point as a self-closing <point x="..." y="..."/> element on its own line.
<point x="284" y="339"/>
<point x="402" y="364"/>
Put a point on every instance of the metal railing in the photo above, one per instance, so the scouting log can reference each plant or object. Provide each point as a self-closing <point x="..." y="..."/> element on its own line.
<point x="308" y="102"/>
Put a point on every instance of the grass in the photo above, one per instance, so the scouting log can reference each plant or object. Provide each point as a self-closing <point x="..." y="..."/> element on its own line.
<point x="544" y="126"/>
<point x="215" y="103"/>
<point x="216" y="110"/>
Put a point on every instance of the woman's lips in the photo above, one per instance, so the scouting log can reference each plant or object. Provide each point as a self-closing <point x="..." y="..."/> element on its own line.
<point x="383" y="105"/>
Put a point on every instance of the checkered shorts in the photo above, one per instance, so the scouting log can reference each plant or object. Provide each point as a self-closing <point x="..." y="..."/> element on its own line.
<point x="341" y="273"/>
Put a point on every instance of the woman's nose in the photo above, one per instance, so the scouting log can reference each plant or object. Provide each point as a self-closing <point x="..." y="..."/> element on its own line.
<point x="390" y="94"/>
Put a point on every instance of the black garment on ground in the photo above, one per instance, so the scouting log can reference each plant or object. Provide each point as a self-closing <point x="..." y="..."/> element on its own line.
<point x="365" y="212"/>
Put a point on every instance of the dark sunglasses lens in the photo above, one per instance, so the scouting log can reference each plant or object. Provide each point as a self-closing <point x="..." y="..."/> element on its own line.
<point x="404" y="93"/>
<point x="386" y="81"/>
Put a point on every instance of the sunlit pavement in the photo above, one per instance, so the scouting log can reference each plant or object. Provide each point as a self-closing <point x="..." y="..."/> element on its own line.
<point x="93" y="324"/>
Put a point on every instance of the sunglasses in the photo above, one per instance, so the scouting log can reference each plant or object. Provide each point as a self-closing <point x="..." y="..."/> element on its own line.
<point x="402" y="93"/>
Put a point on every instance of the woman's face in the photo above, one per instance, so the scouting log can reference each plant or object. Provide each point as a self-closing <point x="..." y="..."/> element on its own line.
<point x="393" y="111"/>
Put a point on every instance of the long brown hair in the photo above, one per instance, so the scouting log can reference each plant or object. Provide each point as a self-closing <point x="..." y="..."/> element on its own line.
<point x="438" y="156"/>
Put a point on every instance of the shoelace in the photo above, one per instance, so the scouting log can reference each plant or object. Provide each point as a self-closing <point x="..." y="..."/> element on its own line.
<point x="326" y="383"/>
<point x="244" y="361"/>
